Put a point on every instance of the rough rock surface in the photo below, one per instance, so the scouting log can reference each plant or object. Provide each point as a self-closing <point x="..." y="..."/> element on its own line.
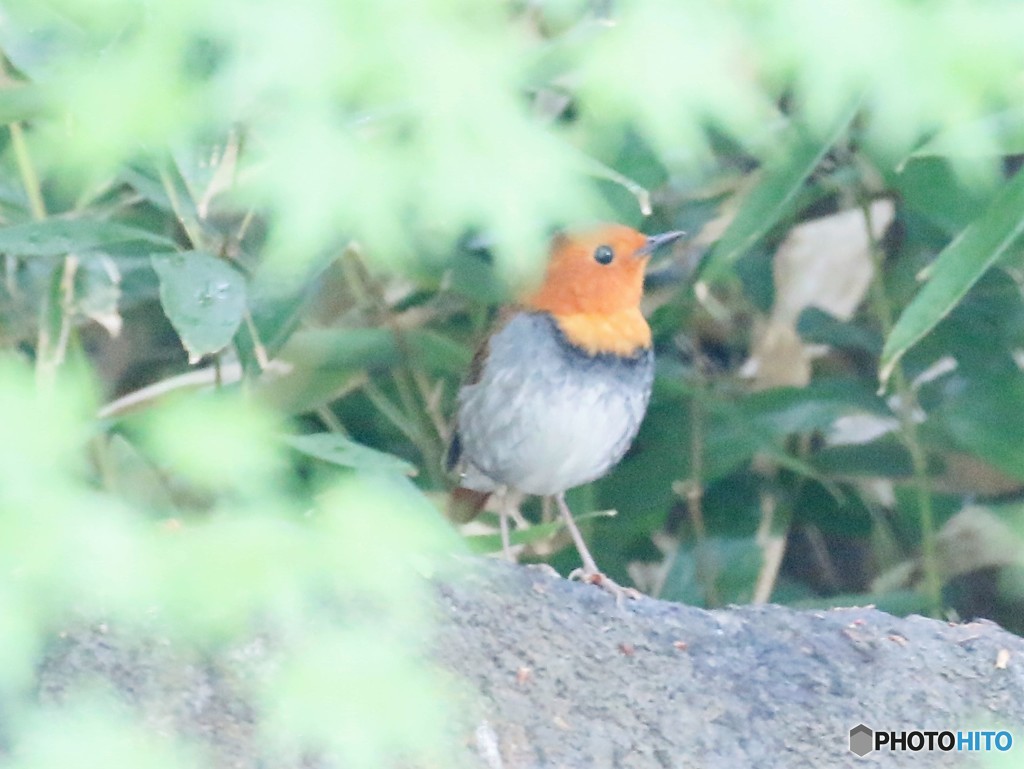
<point x="566" y="678"/>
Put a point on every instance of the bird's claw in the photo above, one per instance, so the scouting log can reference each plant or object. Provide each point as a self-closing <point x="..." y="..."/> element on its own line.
<point x="606" y="583"/>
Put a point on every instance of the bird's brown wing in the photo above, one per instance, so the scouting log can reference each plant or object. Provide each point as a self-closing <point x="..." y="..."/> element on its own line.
<point x="476" y="366"/>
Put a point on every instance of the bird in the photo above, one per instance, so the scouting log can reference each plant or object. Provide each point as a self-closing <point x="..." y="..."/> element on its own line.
<point x="558" y="389"/>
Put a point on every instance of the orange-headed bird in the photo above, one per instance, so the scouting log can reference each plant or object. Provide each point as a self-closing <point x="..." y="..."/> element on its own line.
<point x="557" y="391"/>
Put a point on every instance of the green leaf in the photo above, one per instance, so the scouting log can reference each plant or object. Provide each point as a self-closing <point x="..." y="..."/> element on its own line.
<point x="357" y="348"/>
<point x="97" y="293"/>
<point x="339" y="450"/>
<point x="999" y="133"/>
<point x="787" y="410"/>
<point x="898" y="602"/>
<point x="930" y="187"/>
<point x="885" y="457"/>
<point x="985" y="416"/>
<point x="782" y="178"/>
<point x="819" y="327"/>
<point x="20" y="103"/>
<point x="56" y="237"/>
<point x="758" y="424"/>
<point x="956" y="269"/>
<point x="714" y="572"/>
<point x="204" y="298"/>
<point x="277" y="299"/>
<point x="327" y="362"/>
<point x="817" y="506"/>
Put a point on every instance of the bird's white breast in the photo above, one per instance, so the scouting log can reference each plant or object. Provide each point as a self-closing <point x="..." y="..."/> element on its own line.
<point x="546" y="416"/>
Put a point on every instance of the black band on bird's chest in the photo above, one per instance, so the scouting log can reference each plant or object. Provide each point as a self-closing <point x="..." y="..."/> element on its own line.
<point x="641" y="359"/>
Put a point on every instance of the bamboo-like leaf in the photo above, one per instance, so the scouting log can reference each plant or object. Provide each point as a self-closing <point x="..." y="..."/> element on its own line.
<point x="338" y="450"/>
<point x="56" y="237"/>
<point x="956" y="269"/>
<point x="766" y="204"/>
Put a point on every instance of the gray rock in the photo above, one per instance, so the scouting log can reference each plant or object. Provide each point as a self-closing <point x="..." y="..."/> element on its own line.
<point x="559" y="675"/>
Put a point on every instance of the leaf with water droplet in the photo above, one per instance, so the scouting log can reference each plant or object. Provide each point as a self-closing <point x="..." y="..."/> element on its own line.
<point x="204" y="298"/>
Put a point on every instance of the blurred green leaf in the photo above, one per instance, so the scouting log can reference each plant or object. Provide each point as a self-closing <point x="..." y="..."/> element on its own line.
<point x="817" y="326"/>
<point x="349" y="349"/>
<point x="844" y="515"/>
<point x="56" y="237"/>
<point x="1001" y="133"/>
<point x="713" y="572"/>
<point x="956" y="269"/>
<point x="310" y="700"/>
<point x="339" y="450"/>
<point x="898" y="602"/>
<point x="138" y="480"/>
<point x="221" y="441"/>
<point x="885" y="457"/>
<point x="930" y="187"/>
<point x="757" y="422"/>
<point x="204" y="298"/>
<point x="93" y="733"/>
<point x="984" y="415"/>
<point x="22" y="102"/>
<point x="787" y="410"/>
<point x="768" y="202"/>
<point x="277" y="300"/>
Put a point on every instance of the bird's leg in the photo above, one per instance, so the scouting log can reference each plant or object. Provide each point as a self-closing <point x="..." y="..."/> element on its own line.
<point x="589" y="565"/>
<point x="506" y="541"/>
<point x="515" y="513"/>
<point x="589" y="573"/>
<point x="503" y="516"/>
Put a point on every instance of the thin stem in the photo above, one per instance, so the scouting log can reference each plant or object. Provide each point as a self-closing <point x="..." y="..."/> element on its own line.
<point x="695" y="494"/>
<point x="30" y="181"/>
<point x="172" y="196"/>
<point x="259" y="351"/>
<point x="908" y="429"/>
<point x="331" y="422"/>
<point x="393" y="413"/>
<point x="49" y="353"/>
<point x="431" y="399"/>
<point x="599" y="170"/>
<point x="773" y="546"/>
<point x="243" y="228"/>
<point x="104" y="465"/>
<point x="29" y="178"/>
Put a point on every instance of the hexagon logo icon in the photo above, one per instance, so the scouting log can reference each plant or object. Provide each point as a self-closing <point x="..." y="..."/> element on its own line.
<point x="861" y="740"/>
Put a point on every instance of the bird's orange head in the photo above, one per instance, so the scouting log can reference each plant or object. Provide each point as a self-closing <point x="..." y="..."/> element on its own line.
<point x="593" y="286"/>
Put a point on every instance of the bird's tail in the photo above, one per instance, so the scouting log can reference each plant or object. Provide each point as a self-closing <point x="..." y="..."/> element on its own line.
<point x="465" y="504"/>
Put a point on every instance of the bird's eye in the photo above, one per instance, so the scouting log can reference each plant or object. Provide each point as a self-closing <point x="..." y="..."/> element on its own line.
<point x="604" y="254"/>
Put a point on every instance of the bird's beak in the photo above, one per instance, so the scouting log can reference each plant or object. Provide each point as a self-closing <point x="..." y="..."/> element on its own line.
<point x="654" y="242"/>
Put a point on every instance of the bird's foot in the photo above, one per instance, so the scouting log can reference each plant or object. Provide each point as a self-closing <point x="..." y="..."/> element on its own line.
<point x="606" y="583"/>
<point x="544" y="568"/>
